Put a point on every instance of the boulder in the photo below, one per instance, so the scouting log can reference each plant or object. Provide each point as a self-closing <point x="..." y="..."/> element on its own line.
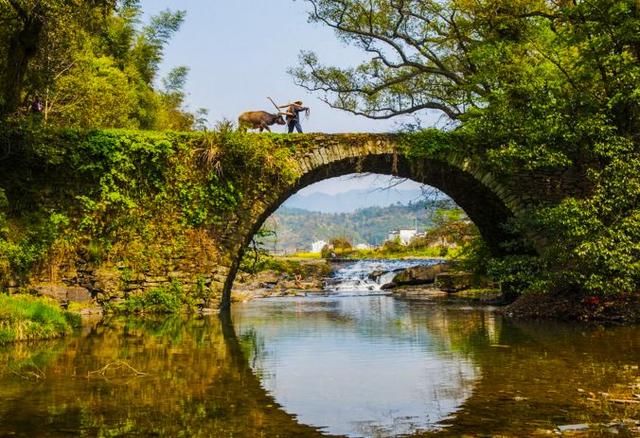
<point x="268" y="284"/>
<point x="55" y="291"/>
<point x="375" y="275"/>
<point x="425" y="274"/>
<point x="454" y="282"/>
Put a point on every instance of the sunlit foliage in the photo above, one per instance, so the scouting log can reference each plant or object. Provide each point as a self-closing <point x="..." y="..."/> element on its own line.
<point x="546" y="85"/>
<point x="91" y="65"/>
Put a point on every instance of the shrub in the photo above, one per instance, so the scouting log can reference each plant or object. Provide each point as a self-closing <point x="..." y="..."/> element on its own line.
<point x="338" y="246"/>
<point x="165" y="299"/>
<point x="393" y="246"/>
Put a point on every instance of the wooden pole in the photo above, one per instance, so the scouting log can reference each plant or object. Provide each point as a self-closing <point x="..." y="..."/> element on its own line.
<point x="274" y="104"/>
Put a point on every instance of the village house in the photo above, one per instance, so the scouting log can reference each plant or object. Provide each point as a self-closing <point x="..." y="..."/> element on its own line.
<point x="316" y="247"/>
<point x="404" y="235"/>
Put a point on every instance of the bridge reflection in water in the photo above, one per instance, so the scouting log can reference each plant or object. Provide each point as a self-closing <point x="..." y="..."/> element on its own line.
<point x="338" y="364"/>
<point x="358" y="366"/>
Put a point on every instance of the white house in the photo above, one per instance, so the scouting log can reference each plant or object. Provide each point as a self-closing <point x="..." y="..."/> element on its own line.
<point x="405" y="235"/>
<point x="316" y="247"/>
<point x="363" y="246"/>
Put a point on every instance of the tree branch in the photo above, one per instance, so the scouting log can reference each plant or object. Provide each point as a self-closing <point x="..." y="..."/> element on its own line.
<point x="22" y="13"/>
<point x="393" y="112"/>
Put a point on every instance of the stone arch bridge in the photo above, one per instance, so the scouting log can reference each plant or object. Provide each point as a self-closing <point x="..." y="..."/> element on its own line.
<point x="184" y="206"/>
<point x="489" y="200"/>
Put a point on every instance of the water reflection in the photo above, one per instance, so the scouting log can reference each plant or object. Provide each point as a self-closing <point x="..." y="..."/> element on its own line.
<point x="195" y="383"/>
<point x="356" y="366"/>
<point x="370" y="366"/>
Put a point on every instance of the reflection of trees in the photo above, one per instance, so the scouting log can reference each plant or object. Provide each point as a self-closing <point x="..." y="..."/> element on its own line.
<point x="253" y="350"/>
<point x="413" y="323"/>
<point x="24" y="364"/>
<point x="198" y="383"/>
<point x="531" y="376"/>
<point x="459" y="331"/>
<point x="531" y="372"/>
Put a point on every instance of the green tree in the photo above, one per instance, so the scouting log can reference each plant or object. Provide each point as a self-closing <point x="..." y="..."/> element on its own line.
<point x="93" y="83"/>
<point x="170" y="112"/>
<point x="338" y="245"/>
<point x="544" y="85"/>
<point x="91" y="64"/>
<point x="27" y="25"/>
<point x="422" y="54"/>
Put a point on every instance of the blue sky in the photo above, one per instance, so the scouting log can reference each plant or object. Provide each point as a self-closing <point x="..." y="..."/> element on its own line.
<point x="238" y="52"/>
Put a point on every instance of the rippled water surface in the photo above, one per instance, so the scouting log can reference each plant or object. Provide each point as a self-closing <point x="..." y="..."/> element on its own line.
<point x="310" y="366"/>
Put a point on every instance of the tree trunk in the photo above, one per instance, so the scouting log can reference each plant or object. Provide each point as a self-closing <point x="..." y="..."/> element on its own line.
<point x="23" y="46"/>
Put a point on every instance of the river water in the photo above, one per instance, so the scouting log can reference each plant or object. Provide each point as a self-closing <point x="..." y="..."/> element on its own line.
<point x="353" y="362"/>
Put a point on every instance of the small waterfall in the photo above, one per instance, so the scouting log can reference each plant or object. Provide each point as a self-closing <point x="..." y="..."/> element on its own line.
<point x="366" y="277"/>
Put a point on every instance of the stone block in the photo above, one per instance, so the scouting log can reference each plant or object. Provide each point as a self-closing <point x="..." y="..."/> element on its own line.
<point x="150" y="279"/>
<point x="57" y="292"/>
<point x="78" y="294"/>
<point x="419" y="275"/>
<point x="63" y="293"/>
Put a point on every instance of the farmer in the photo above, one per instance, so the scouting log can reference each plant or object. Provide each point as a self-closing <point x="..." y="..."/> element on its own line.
<point x="293" y="111"/>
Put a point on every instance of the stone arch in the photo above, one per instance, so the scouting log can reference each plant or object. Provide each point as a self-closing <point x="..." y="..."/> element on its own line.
<point x="489" y="205"/>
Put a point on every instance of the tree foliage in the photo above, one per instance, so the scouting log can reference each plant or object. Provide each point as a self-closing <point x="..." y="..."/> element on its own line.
<point x="89" y="64"/>
<point x="134" y="197"/>
<point x="338" y="246"/>
<point x="543" y="85"/>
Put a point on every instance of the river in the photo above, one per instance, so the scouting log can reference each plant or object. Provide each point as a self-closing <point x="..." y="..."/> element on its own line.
<point x="352" y="362"/>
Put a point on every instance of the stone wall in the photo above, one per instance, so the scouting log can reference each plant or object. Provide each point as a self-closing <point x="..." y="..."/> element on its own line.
<point x="75" y="279"/>
<point x="106" y="285"/>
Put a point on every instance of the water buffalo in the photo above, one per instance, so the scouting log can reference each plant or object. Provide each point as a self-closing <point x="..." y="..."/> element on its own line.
<point x="259" y="120"/>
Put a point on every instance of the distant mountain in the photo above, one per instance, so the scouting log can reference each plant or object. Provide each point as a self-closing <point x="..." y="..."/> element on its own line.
<point x="352" y="200"/>
<point x="296" y="228"/>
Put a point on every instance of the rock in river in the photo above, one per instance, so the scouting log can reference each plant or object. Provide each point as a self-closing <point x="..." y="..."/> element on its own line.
<point x="454" y="281"/>
<point x="375" y="275"/>
<point x="424" y="274"/>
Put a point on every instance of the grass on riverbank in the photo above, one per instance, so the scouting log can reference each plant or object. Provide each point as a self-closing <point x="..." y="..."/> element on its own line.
<point x="25" y="318"/>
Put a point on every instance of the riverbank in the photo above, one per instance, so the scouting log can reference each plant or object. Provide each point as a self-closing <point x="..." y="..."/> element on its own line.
<point x="306" y="276"/>
<point x="281" y="277"/>
<point x="27" y="318"/>
<point x="411" y="278"/>
<point x="609" y="309"/>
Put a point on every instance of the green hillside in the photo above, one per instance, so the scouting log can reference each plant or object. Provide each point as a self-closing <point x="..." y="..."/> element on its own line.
<point x="296" y="229"/>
